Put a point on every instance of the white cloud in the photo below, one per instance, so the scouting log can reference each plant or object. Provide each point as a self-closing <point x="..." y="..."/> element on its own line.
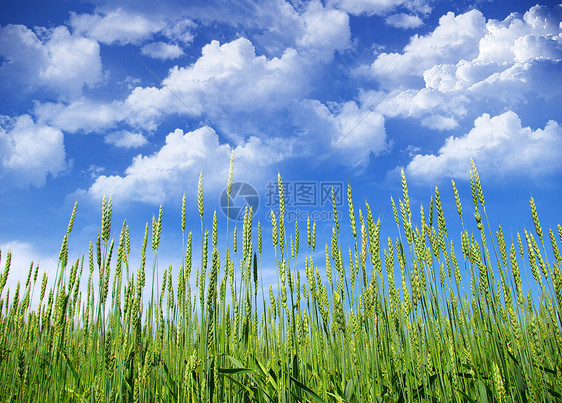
<point x="455" y="38"/>
<point x="261" y="154"/>
<point x="417" y="104"/>
<point x="162" y="50"/>
<point x="151" y="179"/>
<point x="234" y="69"/>
<point x="145" y="106"/>
<point x="29" y="152"/>
<point x="346" y="132"/>
<point x="117" y="26"/>
<point x="231" y="77"/>
<point x="94" y="171"/>
<point x="498" y="144"/>
<point x="126" y="139"/>
<point x="180" y="30"/>
<point x="157" y="177"/>
<point x="532" y="47"/>
<point x="499" y="43"/>
<point x="80" y="115"/>
<point x="59" y="61"/>
<point x="228" y="77"/>
<point x="439" y="122"/>
<point x="472" y="66"/>
<point x="132" y="26"/>
<point x="404" y="21"/>
<point x="512" y="55"/>
<point x="515" y="84"/>
<point x="174" y="168"/>
<point x="325" y="30"/>
<point x="378" y="7"/>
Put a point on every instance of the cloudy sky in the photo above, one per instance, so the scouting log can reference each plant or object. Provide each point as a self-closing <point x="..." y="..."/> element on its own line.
<point x="133" y="99"/>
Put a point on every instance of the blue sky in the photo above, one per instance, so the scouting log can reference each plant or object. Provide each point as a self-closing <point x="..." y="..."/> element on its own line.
<point x="135" y="99"/>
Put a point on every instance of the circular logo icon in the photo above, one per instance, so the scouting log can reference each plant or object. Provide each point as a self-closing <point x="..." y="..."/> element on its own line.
<point x="243" y="194"/>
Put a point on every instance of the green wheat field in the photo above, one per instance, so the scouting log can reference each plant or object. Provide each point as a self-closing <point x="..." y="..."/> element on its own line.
<point x="337" y="326"/>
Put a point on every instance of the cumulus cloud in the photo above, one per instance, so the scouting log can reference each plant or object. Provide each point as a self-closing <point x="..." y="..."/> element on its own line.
<point x="324" y="31"/>
<point x="155" y="178"/>
<point x="404" y="21"/>
<point x="275" y="25"/>
<point x="29" y="152"/>
<point x="226" y="79"/>
<point x="346" y="132"/>
<point x="515" y="84"/>
<point x="234" y="68"/>
<point x="470" y="65"/>
<point x="515" y="56"/>
<point x="56" y="60"/>
<point x="504" y="38"/>
<point x="126" y="139"/>
<point x="455" y="38"/>
<point x="162" y="50"/>
<point x="152" y="178"/>
<point x="498" y="144"/>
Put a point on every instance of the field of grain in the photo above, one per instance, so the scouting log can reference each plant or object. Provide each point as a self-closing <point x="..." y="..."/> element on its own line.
<point x="338" y="326"/>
